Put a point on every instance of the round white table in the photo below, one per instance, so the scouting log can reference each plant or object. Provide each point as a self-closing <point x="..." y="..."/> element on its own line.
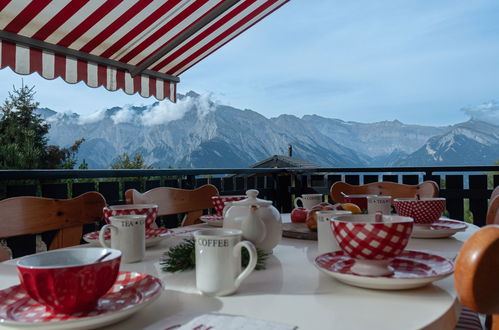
<point x="291" y="290"/>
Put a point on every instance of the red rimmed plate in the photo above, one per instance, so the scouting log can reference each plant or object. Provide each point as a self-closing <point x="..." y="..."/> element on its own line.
<point x="213" y="220"/>
<point x="153" y="236"/>
<point x="131" y="292"/>
<point x="439" y="229"/>
<point x="412" y="269"/>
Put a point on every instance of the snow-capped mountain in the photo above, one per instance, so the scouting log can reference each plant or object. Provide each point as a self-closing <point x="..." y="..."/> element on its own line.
<point x="470" y="143"/>
<point x="197" y="132"/>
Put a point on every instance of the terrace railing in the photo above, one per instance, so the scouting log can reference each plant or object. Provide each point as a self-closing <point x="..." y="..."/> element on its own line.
<point x="466" y="189"/>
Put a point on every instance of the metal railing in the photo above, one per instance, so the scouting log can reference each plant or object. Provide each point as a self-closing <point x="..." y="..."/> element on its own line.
<point x="466" y="188"/>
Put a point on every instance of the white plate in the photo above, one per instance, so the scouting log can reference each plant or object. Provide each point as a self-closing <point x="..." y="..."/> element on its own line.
<point x="153" y="236"/>
<point x="413" y="269"/>
<point x="439" y="229"/>
<point x="213" y="220"/>
<point x="131" y="292"/>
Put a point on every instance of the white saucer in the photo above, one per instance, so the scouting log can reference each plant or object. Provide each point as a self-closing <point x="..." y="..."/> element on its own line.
<point x="213" y="220"/>
<point x="131" y="292"/>
<point x="439" y="229"/>
<point x="413" y="269"/>
<point x="153" y="236"/>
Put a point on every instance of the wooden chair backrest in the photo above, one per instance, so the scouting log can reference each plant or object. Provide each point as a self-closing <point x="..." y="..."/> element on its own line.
<point x="493" y="212"/>
<point x="396" y="190"/>
<point x="495" y="193"/>
<point x="32" y="215"/>
<point x="4" y="254"/>
<point x="476" y="273"/>
<point x="175" y="201"/>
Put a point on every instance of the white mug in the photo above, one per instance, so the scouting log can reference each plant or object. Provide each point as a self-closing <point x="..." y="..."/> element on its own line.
<point x="218" y="260"/>
<point x="381" y="204"/>
<point x="325" y="237"/>
<point x="128" y="234"/>
<point x="308" y="200"/>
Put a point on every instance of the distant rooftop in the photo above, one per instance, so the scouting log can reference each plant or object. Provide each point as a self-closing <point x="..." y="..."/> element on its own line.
<point x="279" y="161"/>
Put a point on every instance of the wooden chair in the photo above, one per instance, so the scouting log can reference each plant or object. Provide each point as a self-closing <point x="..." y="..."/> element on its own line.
<point x="396" y="190"/>
<point x="493" y="211"/>
<point x="495" y="193"/>
<point x="175" y="201"/>
<point x="33" y="215"/>
<point x="476" y="273"/>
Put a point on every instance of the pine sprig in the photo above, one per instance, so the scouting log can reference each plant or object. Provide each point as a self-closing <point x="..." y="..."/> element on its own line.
<point x="183" y="257"/>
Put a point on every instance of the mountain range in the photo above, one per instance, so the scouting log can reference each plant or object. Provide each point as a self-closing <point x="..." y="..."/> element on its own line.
<point x="199" y="133"/>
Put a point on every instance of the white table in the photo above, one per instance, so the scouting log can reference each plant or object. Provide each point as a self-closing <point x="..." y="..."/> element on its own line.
<point x="291" y="290"/>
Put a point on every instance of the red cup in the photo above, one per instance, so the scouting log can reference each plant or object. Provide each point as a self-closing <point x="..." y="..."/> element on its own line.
<point x="424" y="211"/>
<point x="359" y="200"/>
<point x="150" y="210"/>
<point x="219" y="202"/>
<point x="373" y="244"/>
<point x="69" y="280"/>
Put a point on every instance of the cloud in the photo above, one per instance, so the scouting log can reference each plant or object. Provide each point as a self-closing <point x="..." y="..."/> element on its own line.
<point x="124" y="115"/>
<point x="92" y="118"/>
<point x="488" y="112"/>
<point x="161" y="113"/>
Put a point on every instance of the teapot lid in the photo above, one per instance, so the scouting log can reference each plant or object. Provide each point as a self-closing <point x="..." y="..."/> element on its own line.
<point x="252" y="200"/>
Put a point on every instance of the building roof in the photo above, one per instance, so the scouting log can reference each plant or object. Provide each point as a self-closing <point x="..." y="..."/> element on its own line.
<point x="279" y="161"/>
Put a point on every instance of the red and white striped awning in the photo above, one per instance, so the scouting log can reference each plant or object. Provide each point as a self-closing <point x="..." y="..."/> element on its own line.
<point x="137" y="46"/>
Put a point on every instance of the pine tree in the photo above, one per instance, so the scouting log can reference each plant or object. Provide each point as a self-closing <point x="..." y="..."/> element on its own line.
<point x="22" y="132"/>
<point x="23" y="136"/>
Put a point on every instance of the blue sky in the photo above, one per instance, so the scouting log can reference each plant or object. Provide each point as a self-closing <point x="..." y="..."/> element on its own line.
<point x="418" y="61"/>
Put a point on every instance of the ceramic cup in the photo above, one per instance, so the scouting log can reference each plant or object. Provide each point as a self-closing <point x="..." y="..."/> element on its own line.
<point x="359" y="200"/>
<point x="381" y="204"/>
<point x="308" y="200"/>
<point x="218" y="261"/>
<point x="69" y="280"/>
<point x="128" y="234"/>
<point x="325" y="238"/>
<point x="373" y="242"/>
<point x="149" y="210"/>
<point x="219" y="202"/>
<point x="424" y="211"/>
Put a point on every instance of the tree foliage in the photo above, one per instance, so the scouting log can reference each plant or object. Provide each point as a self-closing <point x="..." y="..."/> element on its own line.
<point x="23" y="136"/>
<point x="126" y="161"/>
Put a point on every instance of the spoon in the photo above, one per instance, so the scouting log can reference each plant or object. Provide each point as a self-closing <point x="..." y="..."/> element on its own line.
<point x="104" y="256"/>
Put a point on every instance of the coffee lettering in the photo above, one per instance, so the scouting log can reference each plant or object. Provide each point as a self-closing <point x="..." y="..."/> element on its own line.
<point x="213" y="242"/>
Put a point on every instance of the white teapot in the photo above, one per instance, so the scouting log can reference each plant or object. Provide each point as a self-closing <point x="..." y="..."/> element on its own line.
<point x="259" y="221"/>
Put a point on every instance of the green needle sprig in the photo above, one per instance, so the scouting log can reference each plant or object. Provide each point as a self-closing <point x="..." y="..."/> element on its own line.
<point x="183" y="257"/>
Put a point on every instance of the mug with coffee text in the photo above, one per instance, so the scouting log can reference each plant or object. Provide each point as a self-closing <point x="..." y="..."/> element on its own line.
<point x="218" y="260"/>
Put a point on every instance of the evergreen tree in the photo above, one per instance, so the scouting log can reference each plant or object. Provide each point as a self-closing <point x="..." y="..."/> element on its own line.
<point x="22" y="132"/>
<point x="23" y="136"/>
<point x="125" y="161"/>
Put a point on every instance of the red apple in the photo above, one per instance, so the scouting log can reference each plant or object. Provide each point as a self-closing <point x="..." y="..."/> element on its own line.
<point x="299" y="214"/>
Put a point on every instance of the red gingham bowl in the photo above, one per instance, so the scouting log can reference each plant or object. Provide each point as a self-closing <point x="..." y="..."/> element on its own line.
<point x="219" y="201"/>
<point x="423" y="211"/>
<point x="360" y="237"/>
<point x="69" y="280"/>
<point x="359" y="200"/>
<point x="150" y="210"/>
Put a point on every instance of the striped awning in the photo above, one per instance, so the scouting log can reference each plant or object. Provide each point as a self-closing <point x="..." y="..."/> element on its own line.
<point x="137" y="46"/>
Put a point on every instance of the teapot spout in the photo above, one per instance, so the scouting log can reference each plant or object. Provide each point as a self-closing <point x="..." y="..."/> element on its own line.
<point x="253" y="227"/>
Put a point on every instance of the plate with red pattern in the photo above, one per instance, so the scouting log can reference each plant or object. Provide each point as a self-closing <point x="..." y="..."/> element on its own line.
<point x="439" y="229"/>
<point x="213" y="220"/>
<point x="131" y="292"/>
<point x="153" y="236"/>
<point x="412" y="269"/>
